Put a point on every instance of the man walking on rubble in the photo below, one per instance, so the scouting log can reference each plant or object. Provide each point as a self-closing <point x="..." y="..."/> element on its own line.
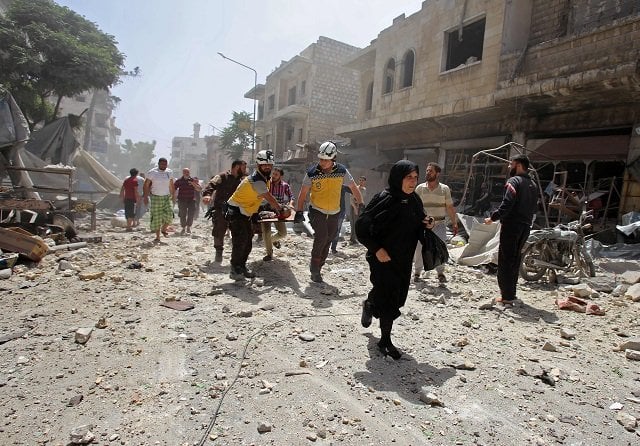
<point x="516" y="212"/>
<point x="437" y="203"/>
<point x="215" y="194"/>
<point x="129" y="196"/>
<point x="243" y="207"/>
<point x="187" y="187"/>
<point x="159" y="191"/>
<point x="324" y="180"/>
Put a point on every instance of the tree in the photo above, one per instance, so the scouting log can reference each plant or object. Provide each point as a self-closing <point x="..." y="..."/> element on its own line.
<point x="47" y="50"/>
<point x="236" y="138"/>
<point x="139" y="155"/>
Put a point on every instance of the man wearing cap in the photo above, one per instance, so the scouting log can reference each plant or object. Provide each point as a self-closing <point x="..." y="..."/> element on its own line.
<point x="242" y="206"/>
<point x="516" y="212"/>
<point x="324" y="180"/>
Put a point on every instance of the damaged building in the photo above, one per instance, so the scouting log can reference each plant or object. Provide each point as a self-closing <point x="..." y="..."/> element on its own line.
<point x="559" y="77"/>
<point x="303" y="101"/>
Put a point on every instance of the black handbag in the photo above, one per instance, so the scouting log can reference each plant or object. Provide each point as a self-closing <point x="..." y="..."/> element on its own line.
<point x="434" y="250"/>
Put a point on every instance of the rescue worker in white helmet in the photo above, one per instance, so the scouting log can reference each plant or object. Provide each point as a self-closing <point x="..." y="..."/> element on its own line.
<point x="325" y="180"/>
<point x="242" y="206"/>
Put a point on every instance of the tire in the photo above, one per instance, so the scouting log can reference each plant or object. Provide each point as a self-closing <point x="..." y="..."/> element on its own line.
<point x="529" y="271"/>
<point x="584" y="262"/>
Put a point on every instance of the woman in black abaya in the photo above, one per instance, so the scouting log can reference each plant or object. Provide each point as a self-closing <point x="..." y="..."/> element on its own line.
<point x="390" y="227"/>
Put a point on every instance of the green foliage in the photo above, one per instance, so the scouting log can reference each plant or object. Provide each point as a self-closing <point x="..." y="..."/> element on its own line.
<point x="139" y="155"/>
<point x="49" y="50"/>
<point x="237" y="137"/>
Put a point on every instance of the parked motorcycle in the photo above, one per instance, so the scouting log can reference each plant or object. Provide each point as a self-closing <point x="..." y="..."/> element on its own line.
<point x="556" y="249"/>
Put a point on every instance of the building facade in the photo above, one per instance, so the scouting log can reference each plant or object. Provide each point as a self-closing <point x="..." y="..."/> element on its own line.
<point x="305" y="99"/>
<point x="191" y="152"/>
<point x="98" y="133"/>
<point x="457" y="77"/>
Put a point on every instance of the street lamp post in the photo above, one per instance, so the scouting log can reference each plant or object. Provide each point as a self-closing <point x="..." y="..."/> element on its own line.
<point x="255" y="85"/>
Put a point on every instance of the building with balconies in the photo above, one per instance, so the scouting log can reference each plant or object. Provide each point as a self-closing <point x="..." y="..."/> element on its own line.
<point x="455" y="78"/>
<point x="305" y="99"/>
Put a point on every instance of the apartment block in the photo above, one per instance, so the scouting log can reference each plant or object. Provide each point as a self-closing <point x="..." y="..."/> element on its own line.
<point x="458" y="78"/>
<point x="305" y="98"/>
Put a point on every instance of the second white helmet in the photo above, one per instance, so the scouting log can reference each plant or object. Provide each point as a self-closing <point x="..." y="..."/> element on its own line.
<point x="264" y="157"/>
<point x="328" y="151"/>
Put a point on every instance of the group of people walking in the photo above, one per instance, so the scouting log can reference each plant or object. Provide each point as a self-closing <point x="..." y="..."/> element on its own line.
<point x="390" y="226"/>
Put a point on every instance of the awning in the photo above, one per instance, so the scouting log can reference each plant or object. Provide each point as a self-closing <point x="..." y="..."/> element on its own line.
<point x="604" y="148"/>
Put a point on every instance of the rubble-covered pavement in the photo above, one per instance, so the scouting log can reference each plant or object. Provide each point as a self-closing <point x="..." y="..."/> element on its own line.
<point x="89" y="355"/>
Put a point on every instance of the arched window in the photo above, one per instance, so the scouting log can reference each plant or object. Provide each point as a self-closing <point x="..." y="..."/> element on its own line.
<point x="389" y="74"/>
<point x="407" y="69"/>
<point x="369" y="103"/>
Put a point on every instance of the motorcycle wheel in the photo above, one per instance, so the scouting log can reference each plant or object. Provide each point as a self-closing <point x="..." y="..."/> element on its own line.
<point x="528" y="270"/>
<point x="584" y="263"/>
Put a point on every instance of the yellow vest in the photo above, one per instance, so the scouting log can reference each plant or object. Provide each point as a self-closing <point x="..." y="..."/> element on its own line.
<point x="246" y="197"/>
<point x="326" y="188"/>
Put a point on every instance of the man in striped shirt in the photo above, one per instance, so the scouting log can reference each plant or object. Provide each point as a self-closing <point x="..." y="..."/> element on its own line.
<point x="437" y="203"/>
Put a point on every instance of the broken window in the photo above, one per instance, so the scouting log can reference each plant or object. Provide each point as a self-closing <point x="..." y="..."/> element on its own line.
<point x="369" y="102"/>
<point x="389" y="74"/>
<point x="303" y="88"/>
<point x="300" y="132"/>
<point x="290" y="133"/>
<point x="464" y="46"/>
<point x="271" y="102"/>
<point x="292" y="96"/>
<point x="407" y="69"/>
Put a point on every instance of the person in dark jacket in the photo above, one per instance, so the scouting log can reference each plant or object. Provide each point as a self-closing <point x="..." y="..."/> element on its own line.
<point x="519" y="205"/>
<point x="390" y="227"/>
<point x="215" y="194"/>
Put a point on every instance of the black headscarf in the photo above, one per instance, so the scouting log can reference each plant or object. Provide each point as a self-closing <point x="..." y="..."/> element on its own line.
<point x="400" y="170"/>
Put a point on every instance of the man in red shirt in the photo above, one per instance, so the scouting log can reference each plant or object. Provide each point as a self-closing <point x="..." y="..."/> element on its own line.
<point x="186" y="187"/>
<point x="129" y="194"/>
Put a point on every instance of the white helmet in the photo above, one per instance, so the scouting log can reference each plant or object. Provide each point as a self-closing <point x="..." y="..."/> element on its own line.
<point x="264" y="157"/>
<point x="327" y="151"/>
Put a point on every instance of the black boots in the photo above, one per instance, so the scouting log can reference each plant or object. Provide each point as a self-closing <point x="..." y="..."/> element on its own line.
<point x="314" y="268"/>
<point x="385" y="346"/>
<point x="367" y="314"/>
<point x="218" y="257"/>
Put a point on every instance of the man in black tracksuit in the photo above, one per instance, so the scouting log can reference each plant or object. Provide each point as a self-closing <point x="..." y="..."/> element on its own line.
<point x="515" y="213"/>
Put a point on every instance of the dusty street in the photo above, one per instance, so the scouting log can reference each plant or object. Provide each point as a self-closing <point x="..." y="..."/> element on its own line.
<point x="282" y="361"/>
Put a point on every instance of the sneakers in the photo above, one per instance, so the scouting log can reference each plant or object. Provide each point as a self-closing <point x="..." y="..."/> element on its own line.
<point x="267" y="258"/>
<point x="248" y="273"/>
<point x="182" y="232"/>
<point x="442" y="278"/>
<point x="276" y="244"/>
<point x="240" y="273"/>
<point x="316" y="276"/>
<point x="218" y="257"/>
<point x="188" y="229"/>
<point x="236" y="274"/>
<point x="367" y="315"/>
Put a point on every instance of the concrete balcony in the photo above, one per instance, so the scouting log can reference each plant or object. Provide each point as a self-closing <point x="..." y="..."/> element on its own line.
<point x="295" y="111"/>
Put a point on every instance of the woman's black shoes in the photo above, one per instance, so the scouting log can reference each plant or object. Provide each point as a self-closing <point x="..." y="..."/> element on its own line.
<point x="388" y="349"/>
<point x="367" y="314"/>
